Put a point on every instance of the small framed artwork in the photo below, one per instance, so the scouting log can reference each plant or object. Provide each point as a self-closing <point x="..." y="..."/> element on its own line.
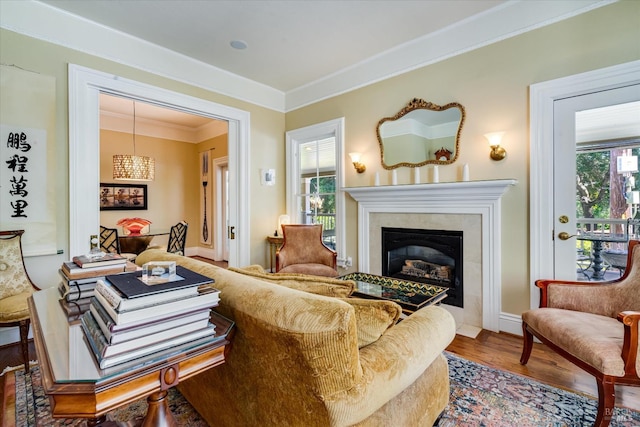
<point x="116" y="197"/>
<point x="268" y="176"/>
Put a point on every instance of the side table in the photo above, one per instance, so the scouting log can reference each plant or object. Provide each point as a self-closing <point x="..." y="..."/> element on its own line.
<point x="274" y="244"/>
<point x="77" y="388"/>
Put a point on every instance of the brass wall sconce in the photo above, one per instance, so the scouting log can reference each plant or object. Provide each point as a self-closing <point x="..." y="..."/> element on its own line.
<point x="355" y="158"/>
<point x="497" y="152"/>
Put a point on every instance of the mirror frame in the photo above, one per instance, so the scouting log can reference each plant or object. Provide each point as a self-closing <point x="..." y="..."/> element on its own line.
<point x="420" y="104"/>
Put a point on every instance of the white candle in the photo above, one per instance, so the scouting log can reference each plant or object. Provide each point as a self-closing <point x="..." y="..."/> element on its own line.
<point x="376" y="180"/>
<point x="436" y="178"/>
<point x="465" y="172"/>
<point x="416" y="175"/>
<point x="394" y="177"/>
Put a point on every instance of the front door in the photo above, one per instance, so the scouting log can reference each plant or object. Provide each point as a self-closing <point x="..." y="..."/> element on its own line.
<point x="564" y="170"/>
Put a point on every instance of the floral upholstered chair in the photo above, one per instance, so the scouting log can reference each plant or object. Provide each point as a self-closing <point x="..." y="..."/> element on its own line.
<point x="593" y="325"/>
<point x="15" y="288"/>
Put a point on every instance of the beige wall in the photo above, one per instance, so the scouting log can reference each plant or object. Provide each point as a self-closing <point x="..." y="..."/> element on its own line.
<point x="172" y="196"/>
<point x="267" y="141"/>
<point x="492" y="83"/>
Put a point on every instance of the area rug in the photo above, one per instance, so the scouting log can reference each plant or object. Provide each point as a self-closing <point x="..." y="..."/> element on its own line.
<point x="32" y="405"/>
<point x="480" y="397"/>
<point x="485" y="397"/>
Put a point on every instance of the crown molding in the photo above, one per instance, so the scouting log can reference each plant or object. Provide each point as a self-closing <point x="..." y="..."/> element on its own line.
<point x="43" y="22"/>
<point x="510" y="19"/>
<point x="499" y="23"/>
<point x="119" y="122"/>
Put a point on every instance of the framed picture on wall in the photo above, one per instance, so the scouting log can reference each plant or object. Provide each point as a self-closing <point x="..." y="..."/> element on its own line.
<point x="123" y="197"/>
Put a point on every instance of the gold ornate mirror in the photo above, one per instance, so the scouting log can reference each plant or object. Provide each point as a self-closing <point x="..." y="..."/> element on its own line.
<point x="420" y="134"/>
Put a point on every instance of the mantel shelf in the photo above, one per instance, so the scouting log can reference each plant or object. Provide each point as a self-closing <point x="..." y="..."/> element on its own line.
<point x="488" y="189"/>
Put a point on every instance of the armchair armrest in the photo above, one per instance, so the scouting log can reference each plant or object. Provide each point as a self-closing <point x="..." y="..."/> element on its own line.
<point x="630" y="320"/>
<point x="589" y="297"/>
<point x="396" y="360"/>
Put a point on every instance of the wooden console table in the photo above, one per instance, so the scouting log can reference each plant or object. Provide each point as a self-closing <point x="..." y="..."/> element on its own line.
<point x="77" y="388"/>
<point x="274" y="244"/>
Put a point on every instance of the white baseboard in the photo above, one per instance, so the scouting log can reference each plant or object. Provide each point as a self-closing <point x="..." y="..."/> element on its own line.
<point x="511" y="323"/>
<point x="11" y="335"/>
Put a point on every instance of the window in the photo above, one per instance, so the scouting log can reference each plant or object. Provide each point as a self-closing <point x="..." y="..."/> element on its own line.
<point x="314" y="179"/>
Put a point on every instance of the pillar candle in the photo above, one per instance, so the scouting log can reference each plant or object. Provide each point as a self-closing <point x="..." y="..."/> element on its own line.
<point x="376" y="180"/>
<point x="394" y="177"/>
<point x="436" y="178"/>
<point x="416" y="175"/>
<point x="465" y="172"/>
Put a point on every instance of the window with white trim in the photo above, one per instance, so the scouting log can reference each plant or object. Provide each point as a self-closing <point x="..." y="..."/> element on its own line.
<point x="315" y="177"/>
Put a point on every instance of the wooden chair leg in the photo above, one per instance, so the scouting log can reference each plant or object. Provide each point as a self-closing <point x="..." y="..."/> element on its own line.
<point x="24" y="343"/>
<point x="606" y="401"/>
<point x="527" y="344"/>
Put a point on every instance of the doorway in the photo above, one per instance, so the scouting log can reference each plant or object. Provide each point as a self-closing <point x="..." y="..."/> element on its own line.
<point x="602" y="182"/>
<point x="85" y="86"/>
<point x="543" y="97"/>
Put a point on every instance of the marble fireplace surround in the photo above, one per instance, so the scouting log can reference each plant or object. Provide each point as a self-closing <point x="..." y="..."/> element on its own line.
<point x="461" y="202"/>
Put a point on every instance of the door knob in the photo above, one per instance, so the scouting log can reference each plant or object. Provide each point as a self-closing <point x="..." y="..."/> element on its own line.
<point x="565" y="236"/>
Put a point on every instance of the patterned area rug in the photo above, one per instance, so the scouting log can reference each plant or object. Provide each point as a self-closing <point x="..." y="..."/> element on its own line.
<point x="32" y="406"/>
<point x="480" y="397"/>
<point x="486" y="397"/>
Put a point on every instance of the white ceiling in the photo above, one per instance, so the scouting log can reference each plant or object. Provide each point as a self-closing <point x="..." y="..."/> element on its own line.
<point x="290" y="43"/>
<point x="299" y="51"/>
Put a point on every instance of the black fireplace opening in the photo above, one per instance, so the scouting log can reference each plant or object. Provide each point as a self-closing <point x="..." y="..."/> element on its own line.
<point x="425" y="256"/>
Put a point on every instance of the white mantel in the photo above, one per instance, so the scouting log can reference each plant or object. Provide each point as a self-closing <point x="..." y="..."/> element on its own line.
<point x="469" y="197"/>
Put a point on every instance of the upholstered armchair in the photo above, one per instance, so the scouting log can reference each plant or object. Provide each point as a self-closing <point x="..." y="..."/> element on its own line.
<point x="304" y="252"/>
<point x="15" y="288"/>
<point x="595" y="326"/>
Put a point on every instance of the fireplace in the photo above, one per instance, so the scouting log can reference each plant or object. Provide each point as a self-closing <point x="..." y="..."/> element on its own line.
<point x="426" y="256"/>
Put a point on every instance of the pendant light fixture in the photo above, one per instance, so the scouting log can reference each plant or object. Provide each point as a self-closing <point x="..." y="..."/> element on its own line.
<point x="127" y="167"/>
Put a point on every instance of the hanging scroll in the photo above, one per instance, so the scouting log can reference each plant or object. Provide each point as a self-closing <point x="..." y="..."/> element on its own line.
<point x="27" y="158"/>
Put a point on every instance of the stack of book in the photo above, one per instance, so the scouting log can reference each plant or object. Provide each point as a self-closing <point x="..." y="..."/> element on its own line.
<point x="129" y="319"/>
<point x="79" y="278"/>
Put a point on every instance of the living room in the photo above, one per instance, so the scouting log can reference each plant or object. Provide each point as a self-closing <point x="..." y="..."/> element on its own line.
<point x="492" y="82"/>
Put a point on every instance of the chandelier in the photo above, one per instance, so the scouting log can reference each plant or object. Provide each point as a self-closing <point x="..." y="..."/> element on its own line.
<point x="127" y="167"/>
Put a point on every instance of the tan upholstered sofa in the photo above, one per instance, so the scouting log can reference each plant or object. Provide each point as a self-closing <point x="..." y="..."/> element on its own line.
<point x="296" y="359"/>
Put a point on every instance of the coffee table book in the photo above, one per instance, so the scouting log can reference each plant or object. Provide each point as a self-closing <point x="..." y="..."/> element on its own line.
<point x="115" y="334"/>
<point x="84" y="261"/>
<point x="138" y="352"/>
<point x="130" y="285"/>
<point x="207" y="298"/>
<point x="122" y="303"/>
<point x="106" y="350"/>
<point x="74" y="272"/>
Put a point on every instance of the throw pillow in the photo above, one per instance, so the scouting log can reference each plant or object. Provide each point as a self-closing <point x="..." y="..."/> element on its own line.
<point x="318" y="285"/>
<point x="373" y="318"/>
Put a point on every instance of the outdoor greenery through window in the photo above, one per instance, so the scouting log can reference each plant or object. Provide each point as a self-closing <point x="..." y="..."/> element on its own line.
<point x="606" y="183"/>
<point x="317" y="193"/>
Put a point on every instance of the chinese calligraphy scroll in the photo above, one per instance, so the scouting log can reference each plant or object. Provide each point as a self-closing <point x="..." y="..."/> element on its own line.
<point x="27" y="156"/>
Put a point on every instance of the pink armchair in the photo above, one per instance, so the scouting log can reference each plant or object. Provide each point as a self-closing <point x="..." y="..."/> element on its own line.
<point x="593" y="325"/>
<point x="303" y="252"/>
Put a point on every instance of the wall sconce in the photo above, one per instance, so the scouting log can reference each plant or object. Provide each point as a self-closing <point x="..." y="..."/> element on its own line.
<point x="497" y="152"/>
<point x="355" y="158"/>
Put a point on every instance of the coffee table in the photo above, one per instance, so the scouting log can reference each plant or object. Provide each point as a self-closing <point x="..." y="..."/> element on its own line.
<point x="77" y="388"/>
<point x="411" y="296"/>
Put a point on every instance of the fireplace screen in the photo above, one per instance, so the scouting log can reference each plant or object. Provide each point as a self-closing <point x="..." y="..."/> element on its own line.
<point x="427" y="256"/>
